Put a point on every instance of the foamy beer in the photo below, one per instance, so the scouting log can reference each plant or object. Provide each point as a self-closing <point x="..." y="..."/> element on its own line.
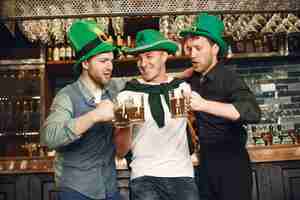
<point x="135" y="109"/>
<point x="121" y="115"/>
<point x="178" y="103"/>
<point x="129" y="110"/>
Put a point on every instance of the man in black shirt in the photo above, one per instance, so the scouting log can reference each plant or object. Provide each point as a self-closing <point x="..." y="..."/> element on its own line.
<point x="222" y="104"/>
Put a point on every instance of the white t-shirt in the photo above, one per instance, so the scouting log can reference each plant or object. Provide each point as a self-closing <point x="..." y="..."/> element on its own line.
<point x="160" y="152"/>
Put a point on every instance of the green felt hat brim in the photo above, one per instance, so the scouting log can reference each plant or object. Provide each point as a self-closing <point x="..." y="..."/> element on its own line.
<point x="165" y="45"/>
<point x="222" y="44"/>
<point x="101" y="48"/>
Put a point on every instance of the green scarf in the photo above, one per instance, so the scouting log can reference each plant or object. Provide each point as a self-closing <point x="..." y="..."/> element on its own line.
<point x="154" y="99"/>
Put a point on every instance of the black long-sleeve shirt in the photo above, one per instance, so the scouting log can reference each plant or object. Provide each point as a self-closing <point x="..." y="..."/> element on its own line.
<point x="223" y="85"/>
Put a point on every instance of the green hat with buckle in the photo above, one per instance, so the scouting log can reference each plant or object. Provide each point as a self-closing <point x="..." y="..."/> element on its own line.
<point x="151" y="40"/>
<point x="209" y="26"/>
<point x="88" y="39"/>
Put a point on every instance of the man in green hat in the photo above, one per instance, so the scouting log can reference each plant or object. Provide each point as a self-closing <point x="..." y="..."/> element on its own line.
<point x="222" y="104"/>
<point x="161" y="166"/>
<point x="77" y="127"/>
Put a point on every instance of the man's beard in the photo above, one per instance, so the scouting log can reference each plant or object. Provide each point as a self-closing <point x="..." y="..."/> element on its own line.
<point x="102" y="82"/>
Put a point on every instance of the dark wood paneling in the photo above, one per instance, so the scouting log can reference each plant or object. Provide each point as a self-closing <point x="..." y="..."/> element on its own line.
<point x="41" y="186"/>
<point x="264" y="182"/>
<point x="291" y="183"/>
<point x="255" y="189"/>
<point x="271" y="181"/>
<point x="13" y="187"/>
<point x="19" y="53"/>
<point x="276" y="182"/>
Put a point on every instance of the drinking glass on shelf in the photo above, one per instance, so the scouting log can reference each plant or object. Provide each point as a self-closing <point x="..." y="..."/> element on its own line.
<point x="179" y="103"/>
<point x="2" y="167"/>
<point x="255" y="134"/>
<point x="10" y="165"/>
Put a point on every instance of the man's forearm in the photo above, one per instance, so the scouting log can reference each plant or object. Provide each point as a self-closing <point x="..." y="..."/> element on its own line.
<point x="122" y="140"/>
<point x="220" y="109"/>
<point x="83" y="123"/>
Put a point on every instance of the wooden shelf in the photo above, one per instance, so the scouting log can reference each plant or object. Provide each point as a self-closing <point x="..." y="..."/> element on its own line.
<point x="254" y="55"/>
<point x="128" y="66"/>
<point x="261" y="56"/>
<point x="26" y="165"/>
<point x="35" y="164"/>
<point x="122" y="67"/>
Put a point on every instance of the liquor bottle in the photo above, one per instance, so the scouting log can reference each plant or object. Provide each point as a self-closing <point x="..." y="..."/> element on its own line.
<point x="250" y="140"/>
<point x="73" y="54"/>
<point x="280" y="135"/>
<point x="119" y="44"/>
<point x="68" y="52"/>
<point x="111" y="31"/>
<point x="275" y="133"/>
<point x="119" y="41"/>
<point x="268" y="137"/>
<point x="129" y="42"/>
<point x="257" y="134"/>
<point x="179" y="51"/>
<point x="50" y="51"/>
<point x="62" y="52"/>
<point x="55" y="53"/>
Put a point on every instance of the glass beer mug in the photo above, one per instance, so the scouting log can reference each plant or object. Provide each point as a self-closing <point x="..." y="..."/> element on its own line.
<point x="136" y="109"/>
<point x="129" y="110"/>
<point x="179" y="104"/>
<point x="121" y="115"/>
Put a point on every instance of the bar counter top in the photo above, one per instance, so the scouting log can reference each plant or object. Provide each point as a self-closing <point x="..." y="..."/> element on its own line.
<point x="258" y="154"/>
<point x="275" y="152"/>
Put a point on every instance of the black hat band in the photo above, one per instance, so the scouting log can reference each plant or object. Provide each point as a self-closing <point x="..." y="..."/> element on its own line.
<point x="88" y="47"/>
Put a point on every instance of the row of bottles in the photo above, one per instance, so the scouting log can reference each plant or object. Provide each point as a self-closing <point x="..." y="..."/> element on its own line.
<point x="19" y="115"/>
<point x="269" y="134"/>
<point x="64" y="51"/>
<point x="283" y="45"/>
<point x="11" y="74"/>
<point x="60" y="52"/>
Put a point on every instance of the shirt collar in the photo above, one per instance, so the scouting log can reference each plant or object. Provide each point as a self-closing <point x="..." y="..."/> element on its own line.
<point x="88" y="96"/>
<point x="212" y="74"/>
<point x="169" y="79"/>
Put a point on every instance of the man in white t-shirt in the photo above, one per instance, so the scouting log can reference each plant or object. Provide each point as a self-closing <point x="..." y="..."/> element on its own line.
<point x="161" y="167"/>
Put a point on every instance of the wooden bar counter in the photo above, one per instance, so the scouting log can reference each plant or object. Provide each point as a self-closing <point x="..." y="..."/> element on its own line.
<point x="258" y="154"/>
<point x="275" y="172"/>
<point x="275" y="152"/>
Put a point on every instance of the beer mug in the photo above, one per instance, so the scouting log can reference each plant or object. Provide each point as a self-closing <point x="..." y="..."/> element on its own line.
<point x="121" y="116"/>
<point x="135" y="109"/>
<point x="129" y="110"/>
<point x="179" y="104"/>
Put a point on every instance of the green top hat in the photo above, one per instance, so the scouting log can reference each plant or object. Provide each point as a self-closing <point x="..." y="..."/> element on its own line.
<point x="151" y="40"/>
<point x="88" y="40"/>
<point x="209" y="26"/>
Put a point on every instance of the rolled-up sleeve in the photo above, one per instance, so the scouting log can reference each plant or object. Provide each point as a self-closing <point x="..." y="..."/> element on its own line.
<point x="245" y="102"/>
<point x="58" y="129"/>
